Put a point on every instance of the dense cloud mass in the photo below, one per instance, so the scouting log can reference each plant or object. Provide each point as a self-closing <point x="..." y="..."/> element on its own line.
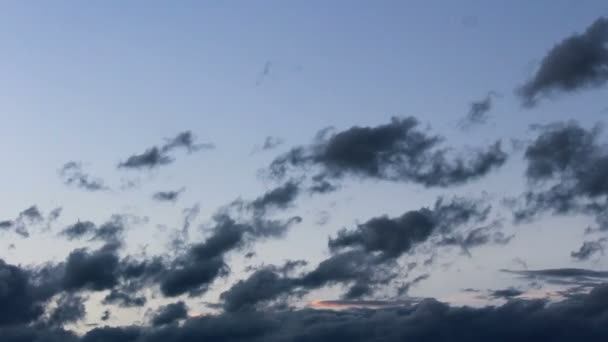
<point x="20" y="300"/>
<point x="579" y="61"/>
<point x="398" y="151"/>
<point x="581" y="318"/>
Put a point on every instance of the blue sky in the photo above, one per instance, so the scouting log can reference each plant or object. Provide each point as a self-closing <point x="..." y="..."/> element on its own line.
<point x="99" y="81"/>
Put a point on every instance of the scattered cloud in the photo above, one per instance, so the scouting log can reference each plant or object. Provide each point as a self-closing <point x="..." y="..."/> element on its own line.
<point x="155" y="157"/>
<point x="73" y="174"/>
<point x="578" y="62"/>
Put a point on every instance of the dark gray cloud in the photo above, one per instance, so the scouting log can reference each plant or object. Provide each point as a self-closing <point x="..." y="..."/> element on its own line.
<point x="72" y="174"/>
<point x="393" y="237"/>
<point x="124" y="299"/>
<point x="363" y="258"/>
<point x="405" y="288"/>
<point x="280" y="197"/>
<point x="568" y="277"/>
<point x="579" y="61"/>
<point x="355" y="269"/>
<point x="320" y="185"/>
<point x="91" y="270"/>
<point x="159" y="156"/>
<point x="6" y="224"/>
<point x="566" y="168"/>
<point x="190" y="214"/>
<point x="397" y="151"/>
<point x="149" y="159"/>
<point x="270" y="143"/>
<point x="170" y="313"/>
<point x="105" y="315"/>
<point x="110" y="232"/>
<point x="79" y="230"/>
<point x="203" y="262"/>
<point x="506" y="293"/>
<point x="478" y="111"/>
<point x="263" y="285"/>
<point x="70" y="309"/>
<point x="32" y="216"/>
<point x="21" y="300"/>
<point x="479" y="236"/>
<point x="581" y="318"/>
<point x="185" y="140"/>
<point x="562" y="272"/>
<point x="589" y="248"/>
<point x="167" y="196"/>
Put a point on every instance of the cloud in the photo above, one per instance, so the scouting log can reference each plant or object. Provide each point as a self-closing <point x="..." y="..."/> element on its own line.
<point x="398" y="151"/>
<point x="263" y="285"/>
<point x="566" y="168"/>
<point x="478" y="111"/>
<point x="190" y="214"/>
<point x="79" y="230"/>
<point x="6" y="224"/>
<point x="185" y="140"/>
<point x="124" y="299"/>
<point x="72" y="174"/>
<point x="393" y="237"/>
<point x="21" y="301"/>
<point x="31" y="216"/>
<point x="506" y="293"/>
<point x="158" y="156"/>
<point x="97" y="270"/>
<point x="405" y="288"/>
<point x="479" y="236"/>
<point x="167" y="196"/>
<point x="70" y="309"/>
<point x="578" y="62"/>
<point x="110" y="232"/>
<point x="269" y="284"/>
<point x="589" y="249"/>
<point x="149" y="159"/>
<point x="270" y="143"/>
<point x="581" y="318"/>
<point x="363" y="258"/>
<point x="170" y="313"/>
<point x="280" y="197"/>
<point x="577" y="277"/>
<point x="203" y="262"/>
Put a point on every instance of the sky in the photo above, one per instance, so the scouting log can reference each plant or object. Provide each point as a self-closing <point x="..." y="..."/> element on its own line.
<point x="295" y="171"/>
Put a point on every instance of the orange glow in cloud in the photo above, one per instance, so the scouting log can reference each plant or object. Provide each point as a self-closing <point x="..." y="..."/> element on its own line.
<point x="196" y="314"/>
<point x="345" y="304"/>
